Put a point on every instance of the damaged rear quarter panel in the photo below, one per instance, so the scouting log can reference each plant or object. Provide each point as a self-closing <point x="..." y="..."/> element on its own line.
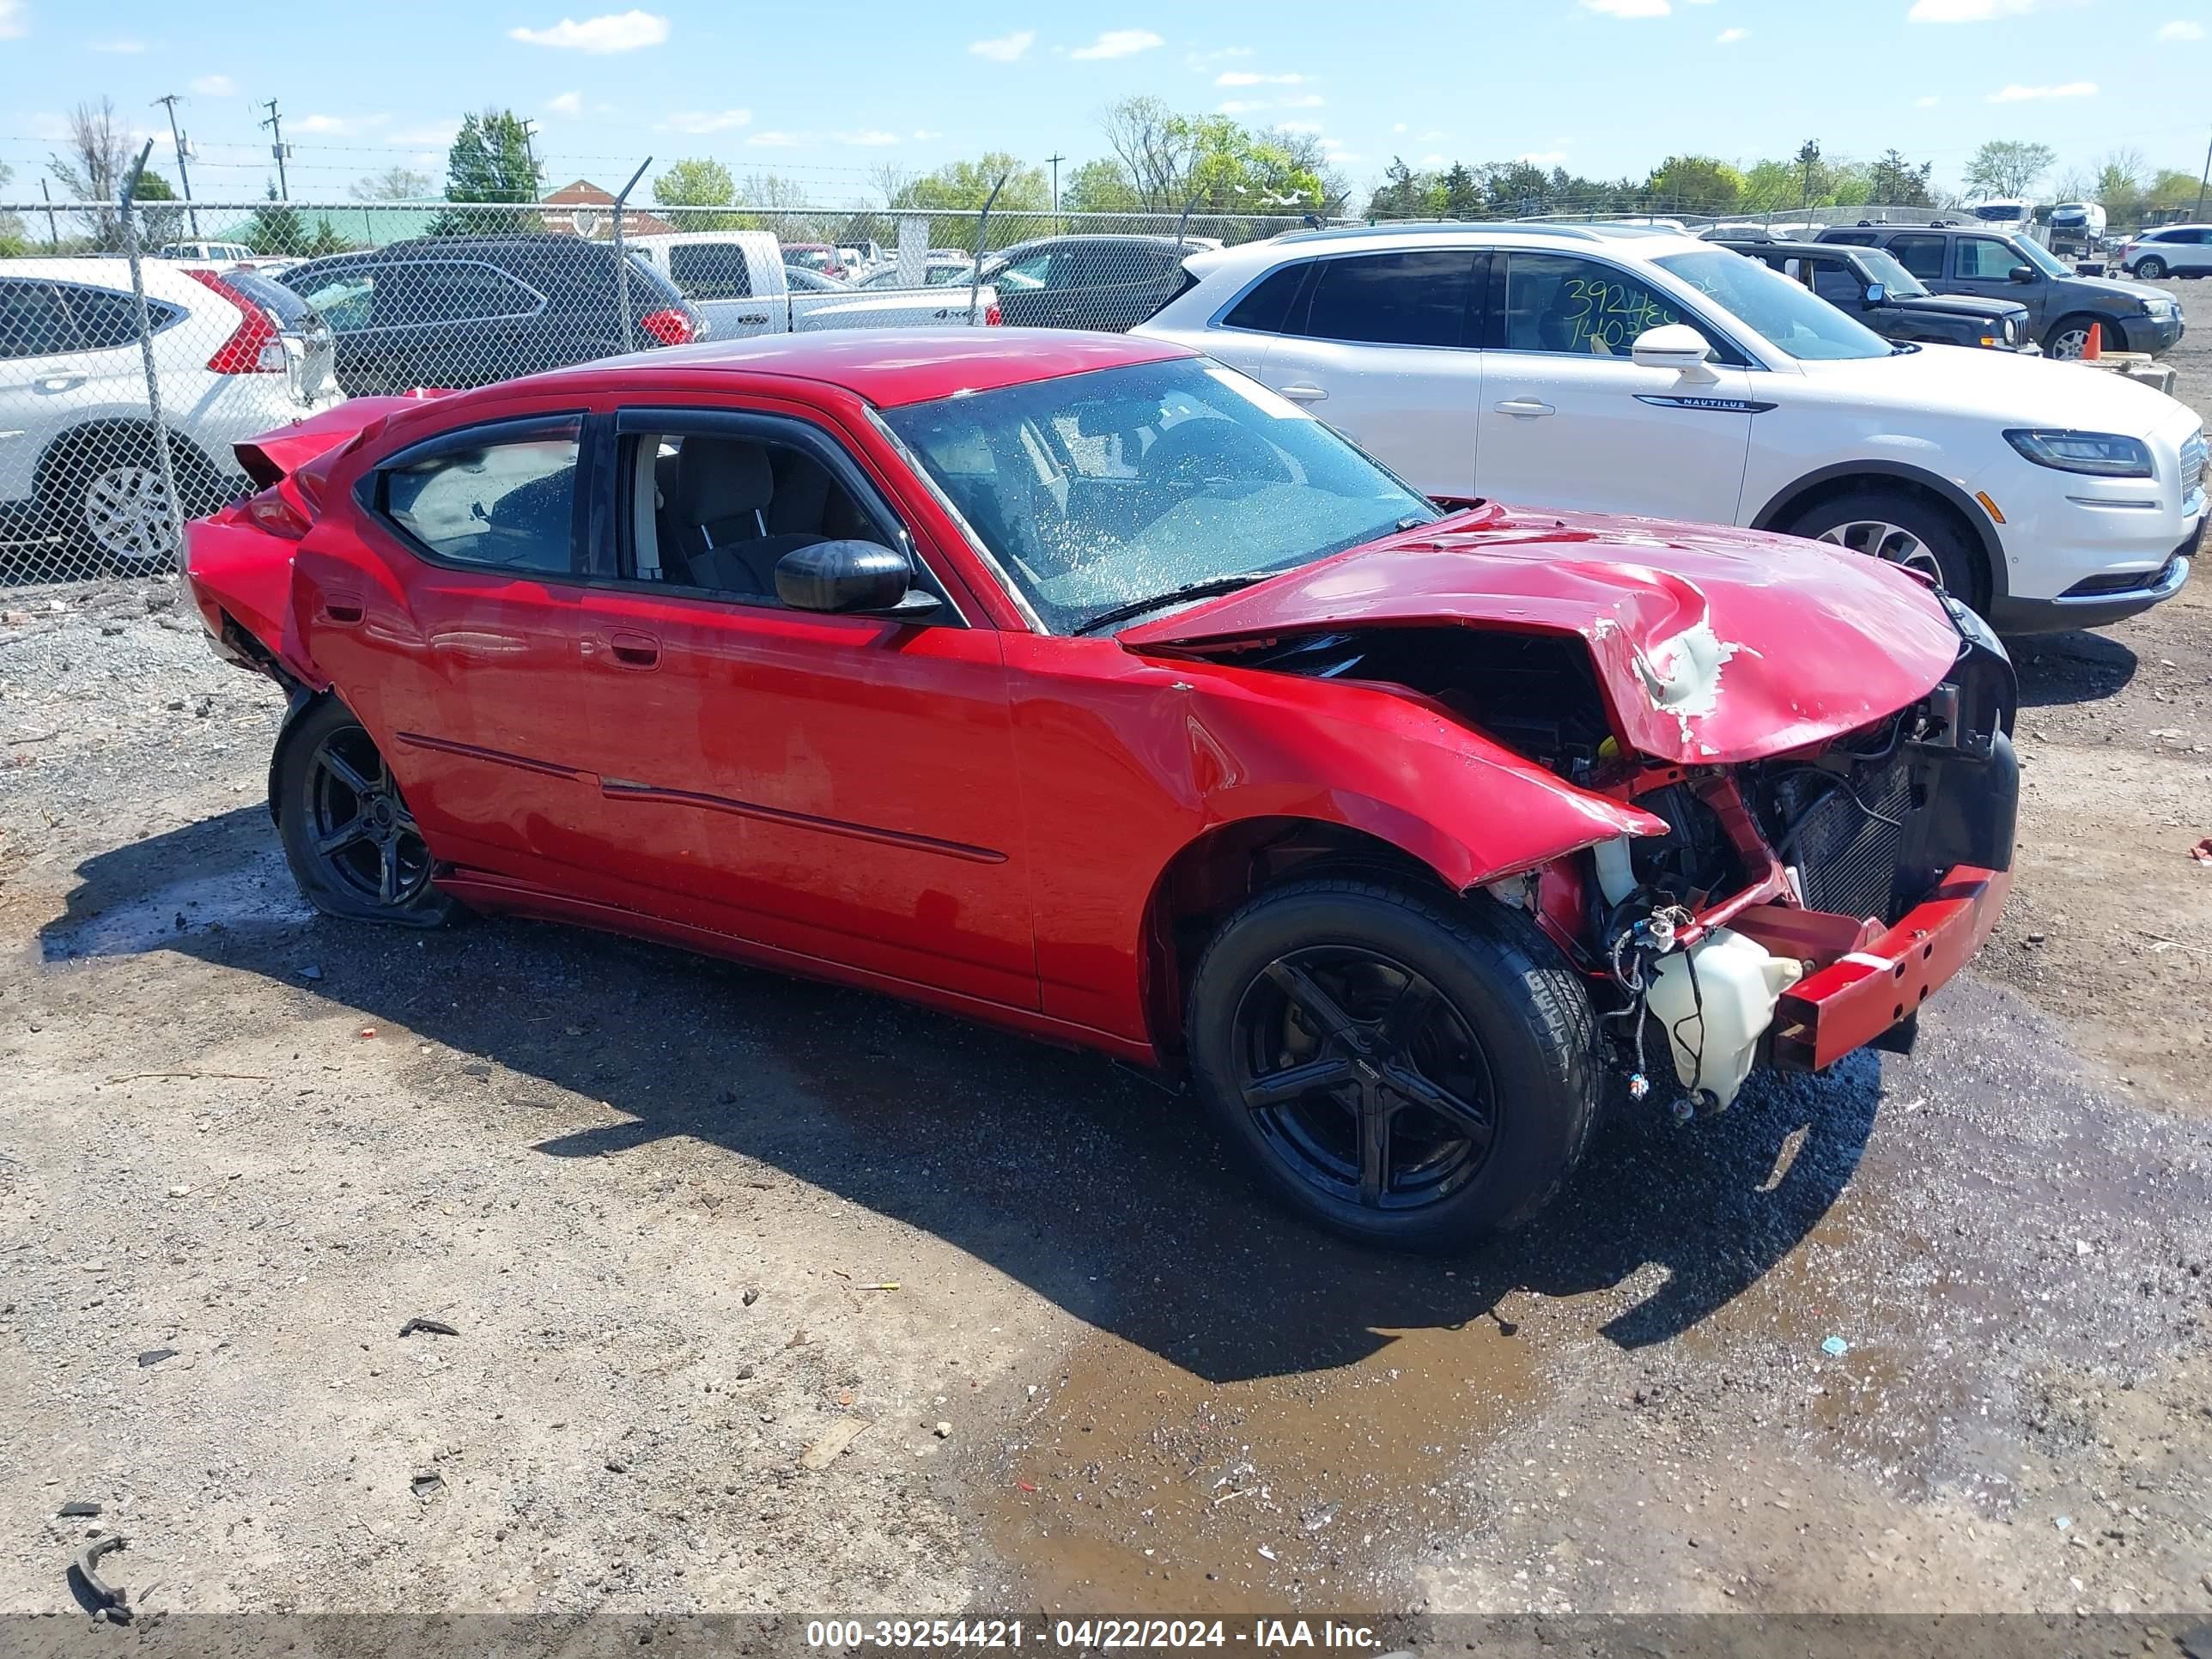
<point x="1152" y="754"/>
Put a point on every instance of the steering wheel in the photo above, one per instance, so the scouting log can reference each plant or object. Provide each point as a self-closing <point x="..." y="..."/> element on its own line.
<point x="1205" y="454"/>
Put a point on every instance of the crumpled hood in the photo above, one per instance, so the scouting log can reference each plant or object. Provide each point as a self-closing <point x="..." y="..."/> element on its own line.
<point x="1712" y="644"/>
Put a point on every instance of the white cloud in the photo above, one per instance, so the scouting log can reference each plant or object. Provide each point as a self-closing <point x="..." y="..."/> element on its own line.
<point x="868" y="138"/>
<point x="215" y="86"/>
<point x="1629" y="8"/>
<point x="923" y="135"/>
<point x="124" y="47"/>
<point x="1248" y="78"/>
<point x="2017" y="93"/>
<point x="708" y="120"/>
<point x="336" y="126"/>
<point x="1398" y="127"/>
<point x="1928" y="102"/>
<point x="772" y="139"/>
<point x="1730" y="37"/>
<point x="1966" y="11"/>
<point x="1119" y="43"/>
<point x="1199" y="60"/>
<point x="2181" y="29"/>
<point x="570" y="104"/>
<point x="1435" y="158"/>
<point x="618" y="31"/>
<point x="13" y="21"/>
<point x="1006" y="48"/>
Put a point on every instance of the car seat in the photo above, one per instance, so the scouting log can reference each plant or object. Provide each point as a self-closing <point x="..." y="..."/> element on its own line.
<point x="724" y="488"/>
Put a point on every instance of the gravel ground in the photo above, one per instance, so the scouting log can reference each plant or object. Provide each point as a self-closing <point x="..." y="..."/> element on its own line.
<point x="658" y="1200"/>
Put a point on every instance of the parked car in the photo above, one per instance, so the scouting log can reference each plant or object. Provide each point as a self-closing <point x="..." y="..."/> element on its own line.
<point x="2168" y="251"/>
<point x="1631" y="372"/>
<point x="2077" y="229"/>
<point x="203" y="252"/>
<point x="738" y="281"/>
<point x="1870" y="285"/>
<point x="937" y="273"/>
<point x="1979" y="260"/>
<point x="818" y="257"/>
<point x="1358" y="811"/>
<point x="1105" y="282"/>
<point x="311" y="346"/>
<point x="465" y="311"/>
<point x="78" y="460"/>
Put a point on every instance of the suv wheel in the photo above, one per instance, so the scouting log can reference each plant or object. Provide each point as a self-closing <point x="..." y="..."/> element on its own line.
<point x="2150" y="270"/>
<point x="1403" y="1070"/>
<point x="2069" y="337"/>
<point x="1905" y="530"/>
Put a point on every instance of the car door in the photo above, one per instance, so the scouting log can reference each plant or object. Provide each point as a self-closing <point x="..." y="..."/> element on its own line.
<point x="1570" y="420"/>
<point x="1983" y="266"/>
<point x="445" y="612"/>
<point x="2186" y="250"/>
<point x="836" y="787"/>
<point x="1383" y="347"/>
<point x="41" y="378"/>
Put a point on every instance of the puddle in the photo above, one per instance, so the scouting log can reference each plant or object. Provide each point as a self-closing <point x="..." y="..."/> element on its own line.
<point x="1155" y="1489"/>
<point x="257" y="897"/>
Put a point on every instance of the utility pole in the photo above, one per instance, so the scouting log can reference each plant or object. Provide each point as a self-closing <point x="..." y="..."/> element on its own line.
<point x="53" y="234"/>
<point x="184" y="179"/>
<point x="1058" y="228"/>
<point x="276" y="125"/>
<point x="530" y="150"/>
<point x="1807" y="154"/>
<point x="2202" y="182"/>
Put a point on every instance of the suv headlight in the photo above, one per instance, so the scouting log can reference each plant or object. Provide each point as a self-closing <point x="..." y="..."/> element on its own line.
<point x="2105" y="454"/>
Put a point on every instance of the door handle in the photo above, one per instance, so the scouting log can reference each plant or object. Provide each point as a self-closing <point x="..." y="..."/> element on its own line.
<point x="754" y="317"/>
<point x="1305" y="394"/>
<point x="1525" y="407"/>
<point x="634" y="650"/>
<point x="50" y="384"/>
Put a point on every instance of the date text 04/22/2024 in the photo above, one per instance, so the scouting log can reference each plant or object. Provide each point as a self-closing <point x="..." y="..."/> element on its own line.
<point x="1091" y="1634"/>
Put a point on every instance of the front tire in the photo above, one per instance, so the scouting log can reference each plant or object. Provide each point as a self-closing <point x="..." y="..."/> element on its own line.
<point x="2069" y="336"/>
<point x="1902" y="529"/>
<point x="1403" y="1070"/>
<point x="2150" y="270"/>
<point x="352" y="845"/>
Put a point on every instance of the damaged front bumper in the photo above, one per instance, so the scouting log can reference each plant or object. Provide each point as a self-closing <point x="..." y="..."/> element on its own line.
<point x="1881" y="983"/>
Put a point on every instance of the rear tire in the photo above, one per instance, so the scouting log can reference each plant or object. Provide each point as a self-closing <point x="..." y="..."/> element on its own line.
<point x="1903" y="529"/>
<point x="352" y="845"/>
<point x="2150" y="270"/>
<point x="1403" y="1070"/>
<point x="105" y="499"/>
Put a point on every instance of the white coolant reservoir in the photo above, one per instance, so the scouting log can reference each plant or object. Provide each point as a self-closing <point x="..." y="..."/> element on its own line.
<point x="1714" y="1025"/>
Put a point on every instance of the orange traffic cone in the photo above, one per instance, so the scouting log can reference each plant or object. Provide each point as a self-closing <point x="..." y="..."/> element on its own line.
<point x="2093" y="347"/>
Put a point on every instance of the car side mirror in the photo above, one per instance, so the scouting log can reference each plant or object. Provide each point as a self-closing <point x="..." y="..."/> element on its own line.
<point x="1674" y="345"/>
<point x="851" y="578"/>
<point x="1877" y="294"/>
<point x="2023" y="273"/>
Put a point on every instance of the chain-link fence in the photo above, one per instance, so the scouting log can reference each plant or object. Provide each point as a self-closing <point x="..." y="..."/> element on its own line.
<point x="140" y="342"/>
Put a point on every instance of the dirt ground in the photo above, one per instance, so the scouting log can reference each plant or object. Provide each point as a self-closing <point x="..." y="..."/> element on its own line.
<point x="689" y="1223"/>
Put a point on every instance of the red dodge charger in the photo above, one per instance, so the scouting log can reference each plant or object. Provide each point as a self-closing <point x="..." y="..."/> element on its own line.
<point x="1080" y="683"/>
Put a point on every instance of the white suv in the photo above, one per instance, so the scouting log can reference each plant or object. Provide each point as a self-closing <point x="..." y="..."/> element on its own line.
<point x="2169" y="251"/>
<point x="78" y="461"/>
<point x="1633" y="371"/>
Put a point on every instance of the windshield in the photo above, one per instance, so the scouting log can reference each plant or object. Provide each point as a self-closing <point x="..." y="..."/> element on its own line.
<point x="2039" y="256"/>
<point x="1798" y="321"/>
<point x="1883" y="267"/>
<point x="2002" y="213"/>
<point x="1096" y="491"/>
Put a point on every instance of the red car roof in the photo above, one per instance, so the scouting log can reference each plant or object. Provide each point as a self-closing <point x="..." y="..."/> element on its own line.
<point x="891" y="367"/>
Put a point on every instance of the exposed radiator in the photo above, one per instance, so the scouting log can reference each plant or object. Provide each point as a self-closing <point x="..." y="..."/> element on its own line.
<point x="1847" y="856"/>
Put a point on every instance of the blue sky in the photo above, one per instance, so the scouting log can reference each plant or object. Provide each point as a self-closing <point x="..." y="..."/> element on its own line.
<point x="826" y="93"/>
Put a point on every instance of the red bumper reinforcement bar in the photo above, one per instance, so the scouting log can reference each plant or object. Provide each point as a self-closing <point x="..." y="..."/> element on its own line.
<point x="1854" y="1000"/>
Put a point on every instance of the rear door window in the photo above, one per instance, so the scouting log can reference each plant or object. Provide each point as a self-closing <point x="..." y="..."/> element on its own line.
<point x="711" y="271"/>
<point x="1835" y="281"/>
<point x="1921" y="255"/>
<point x="503" y="497"/>
<point x="420" y="291"/>
<point x="34" y="322"/>
<point x="1421" y="297"/>
<point x="107" y="320"/>
<point x="1266" y="309"/>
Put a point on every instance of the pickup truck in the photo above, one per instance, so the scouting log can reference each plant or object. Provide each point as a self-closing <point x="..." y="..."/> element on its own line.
<point x="737" y="280"/>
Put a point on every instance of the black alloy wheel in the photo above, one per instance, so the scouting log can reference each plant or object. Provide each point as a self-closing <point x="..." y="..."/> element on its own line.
<point x="1402" y="1066"/>
<point x="1361" y="1077"/>
<point x="353" y="847"/>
